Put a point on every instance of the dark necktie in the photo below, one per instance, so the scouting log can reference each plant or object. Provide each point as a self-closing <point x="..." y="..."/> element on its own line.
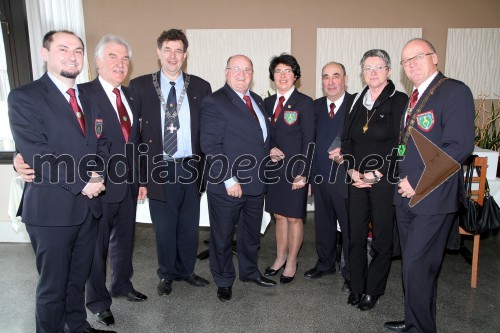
<point x="122" y="113"/>
<point x="248" y="102"/>
<point x="76" y="109"/>
<point x="171" y="124"/>
<point x="332" y="110"/>
<point x="279" y="107"/>
<point x="413" y="101"/>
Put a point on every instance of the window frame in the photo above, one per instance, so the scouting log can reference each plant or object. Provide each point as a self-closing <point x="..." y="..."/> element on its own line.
<point x="13" y="18"/>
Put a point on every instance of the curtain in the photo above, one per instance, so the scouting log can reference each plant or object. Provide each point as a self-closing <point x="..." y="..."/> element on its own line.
<point x="46" y="15"/>
<point x="6" y="142"/>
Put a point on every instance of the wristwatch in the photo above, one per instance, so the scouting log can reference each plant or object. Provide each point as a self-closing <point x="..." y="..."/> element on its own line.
<point x="377" y="178"/>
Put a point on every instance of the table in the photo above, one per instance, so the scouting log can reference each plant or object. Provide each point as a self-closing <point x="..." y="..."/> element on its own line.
<point x="143" y="215"/>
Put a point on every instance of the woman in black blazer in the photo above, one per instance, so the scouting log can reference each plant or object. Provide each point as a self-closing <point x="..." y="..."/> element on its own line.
<point x="292" y="135"/>
<point x="370" y="133"/>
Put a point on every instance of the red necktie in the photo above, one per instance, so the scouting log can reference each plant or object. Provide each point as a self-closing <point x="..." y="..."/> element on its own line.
<point x="279" y="107"/>
<point x="76" y="109"/>
<point x="122" y="113"/>
<point x="249" y="105"/>
<point x="413" y="101"/>
<point x="332" y="108"/>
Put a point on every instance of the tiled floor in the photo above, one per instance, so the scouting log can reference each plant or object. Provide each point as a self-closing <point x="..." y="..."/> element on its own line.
<point x="302" y="306"/>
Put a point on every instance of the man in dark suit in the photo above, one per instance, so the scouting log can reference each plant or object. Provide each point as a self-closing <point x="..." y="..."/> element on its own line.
<point x="59" y="135"/>
<point x="235" y="140"/>
<point x="169" y="104"/>
<point x="329" y="184"/>
<point x="117" y="225"/>
<point x="442" y="110"/>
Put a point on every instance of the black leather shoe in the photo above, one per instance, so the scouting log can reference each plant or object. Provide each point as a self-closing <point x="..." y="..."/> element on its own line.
<point x="194" y="280"/>
<point x="316" y="273"/>
<point x="354" y="299"/>
<point x="286" y="279"/>
<point x="262" y="281"/>
<point x="135" y="296"/>
<point x="224" y="294"/>
<point x="346" y="287"/>
<point x="396" y="326"/>
<point x="105" y="317"/>
<point x="368" y="302"/>
<point x="272" y="272"/>
<point x="93" y="330"/>
<point x="164" y="287"/>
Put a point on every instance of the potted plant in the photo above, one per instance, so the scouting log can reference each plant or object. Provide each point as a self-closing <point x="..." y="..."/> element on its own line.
<point x="487" y="138"/>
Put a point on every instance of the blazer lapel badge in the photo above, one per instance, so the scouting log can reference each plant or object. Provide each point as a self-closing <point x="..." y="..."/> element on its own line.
<point x="98" y="127"/>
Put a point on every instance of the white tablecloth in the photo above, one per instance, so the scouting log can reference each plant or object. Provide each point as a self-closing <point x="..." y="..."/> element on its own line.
<point x="15" y="194"/>
<point x="143" y="215"/>
<point x="495" y="189"/>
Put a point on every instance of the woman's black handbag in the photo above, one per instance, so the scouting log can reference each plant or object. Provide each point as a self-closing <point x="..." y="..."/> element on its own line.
<point x="475" y="218"/>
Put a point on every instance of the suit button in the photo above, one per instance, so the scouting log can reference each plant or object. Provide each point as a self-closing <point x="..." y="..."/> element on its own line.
<point x="147" y="122"/>
<point x="150" y="141"/>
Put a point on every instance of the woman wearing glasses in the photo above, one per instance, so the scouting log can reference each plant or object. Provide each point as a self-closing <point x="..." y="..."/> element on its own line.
<point x="292" y="133"/>
<point x="370" y="134"/>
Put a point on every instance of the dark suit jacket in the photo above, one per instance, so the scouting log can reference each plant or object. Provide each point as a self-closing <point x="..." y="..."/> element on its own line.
<point x="293" y="137"/>
<point x="452" y="108"/>
<point x="320" y="109"/>
<point x="116" y="184"/>
<point x="43" y="123"/>
<point x="229" y="129"/>
<point x="148" y="105"/>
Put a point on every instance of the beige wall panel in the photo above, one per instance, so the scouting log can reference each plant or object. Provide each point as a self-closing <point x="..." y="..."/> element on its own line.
<point x="474" y="57"/>
<point x="347" y="46"/>
<point x="140" y="22"/>
<point x="212" y="47"/>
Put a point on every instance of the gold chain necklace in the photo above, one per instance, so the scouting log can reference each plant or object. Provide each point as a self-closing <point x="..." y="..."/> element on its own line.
<point x="365" y="128"/>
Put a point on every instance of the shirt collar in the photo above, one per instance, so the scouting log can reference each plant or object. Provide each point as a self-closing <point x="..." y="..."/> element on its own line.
<point x="423" y="87"/>
<point x="178" y="81"/>
<point x="63" y="88"/>
<point x="338" y="102"/>
<point x="107" y="86"/>
<point x="286" y="95"/>
<point x="242" y="95"/>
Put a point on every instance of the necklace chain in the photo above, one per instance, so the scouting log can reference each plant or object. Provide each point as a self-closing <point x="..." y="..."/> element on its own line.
<point x="365" y="128"/>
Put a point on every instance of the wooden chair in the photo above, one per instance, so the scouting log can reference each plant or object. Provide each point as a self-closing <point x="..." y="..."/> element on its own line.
<point x="478" y="196"/>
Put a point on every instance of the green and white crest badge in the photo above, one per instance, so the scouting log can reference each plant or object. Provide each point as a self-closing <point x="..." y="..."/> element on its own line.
<point x="425" y="121"/>
<point x="291" y="117"/>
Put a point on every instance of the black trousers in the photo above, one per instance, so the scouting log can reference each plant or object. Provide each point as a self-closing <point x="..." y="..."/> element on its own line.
<point x="225" y="213"/>
<point x="176" y="223"/>
<point x="63" y="260"/>
<point x="373" y="205"/>
<point x="423" y="240"/>
<point x="115" y="236"/>
<point x="330" y="206"/>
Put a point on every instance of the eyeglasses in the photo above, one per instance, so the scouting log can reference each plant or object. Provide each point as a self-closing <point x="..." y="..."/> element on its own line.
<point x="239" y="70"/>
<point x="416" y="59"/>
<point x="283" y="71"/>
<point x="377" y="69"/>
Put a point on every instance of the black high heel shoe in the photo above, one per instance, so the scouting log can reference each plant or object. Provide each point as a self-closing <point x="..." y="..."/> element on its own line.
<point x="287" y="279"/>
<point x="272" y="272"/>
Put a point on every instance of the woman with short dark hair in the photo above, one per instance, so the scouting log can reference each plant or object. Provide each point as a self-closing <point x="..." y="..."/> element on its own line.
<point x="292" y="134"/>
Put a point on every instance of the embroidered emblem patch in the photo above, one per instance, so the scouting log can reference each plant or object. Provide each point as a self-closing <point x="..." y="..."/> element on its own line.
<point x="98" y="127"/>
<point x="425" y="121"/>
<point x="291" y="117"/>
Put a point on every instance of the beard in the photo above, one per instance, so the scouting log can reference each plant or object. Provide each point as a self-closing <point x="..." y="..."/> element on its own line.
<point x="69" y="75"/>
